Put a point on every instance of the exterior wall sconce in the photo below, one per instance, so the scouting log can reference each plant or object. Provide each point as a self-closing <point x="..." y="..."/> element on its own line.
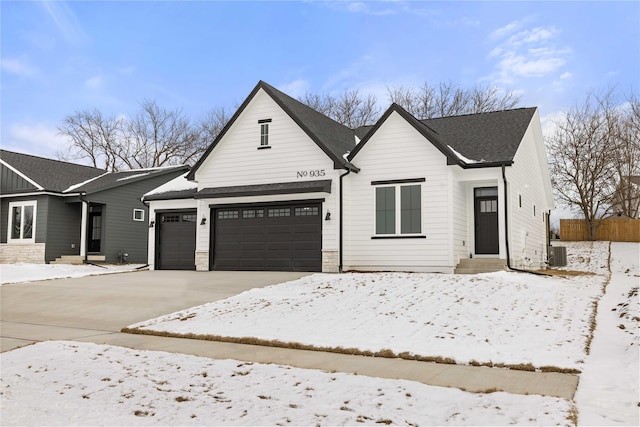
<point x="328" y="216"/>
<point x="203" y="221"/>
<point x="151" y="224"/>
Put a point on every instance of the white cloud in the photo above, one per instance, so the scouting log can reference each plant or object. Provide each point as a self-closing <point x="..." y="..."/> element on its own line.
<point x="565" y="75"/>
<point x="295" y="88"/>
<point x="506" y="30"/>
<point x="66" y="21"/>
<point x="19" y="67"/>
<point x="95" y="82"/>
<point x="525" y="53"/>
<point x="38" y="139"/>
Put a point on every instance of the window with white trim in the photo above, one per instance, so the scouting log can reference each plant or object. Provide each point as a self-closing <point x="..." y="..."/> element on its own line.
<point x="138" y="214"/>
<point x="398" y="210"/>
<point x="22" y="222"/>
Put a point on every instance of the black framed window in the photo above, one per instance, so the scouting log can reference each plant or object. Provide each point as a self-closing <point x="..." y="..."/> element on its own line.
<point x="385" y="210"/>
<point x="398" y="210"/>
<point x="410" y="209"/>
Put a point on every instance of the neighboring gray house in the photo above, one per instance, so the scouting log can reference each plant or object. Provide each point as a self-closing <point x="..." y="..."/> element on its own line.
<point x="52" y="209"/>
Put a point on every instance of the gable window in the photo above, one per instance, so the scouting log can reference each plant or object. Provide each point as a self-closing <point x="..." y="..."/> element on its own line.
<point x="398" y="209"/>
<point x="264" y="132"/>
<point x="22" y="222"/>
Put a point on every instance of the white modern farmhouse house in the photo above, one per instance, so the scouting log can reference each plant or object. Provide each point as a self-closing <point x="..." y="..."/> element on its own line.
<point x="284" y="187"/>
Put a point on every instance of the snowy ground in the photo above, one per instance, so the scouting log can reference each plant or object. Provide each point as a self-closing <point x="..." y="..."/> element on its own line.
<point x="88" y="384"/>
<point x="495" y="318"/>
<point x="18" y="273"/>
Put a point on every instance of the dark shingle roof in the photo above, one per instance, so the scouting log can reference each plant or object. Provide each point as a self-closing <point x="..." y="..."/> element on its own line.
<point x="51" y="175"/>
<point x="115" y="179"/>
<point x="485" y="137"/>
<point x="333" y="138"/>
<point x="472" y="140"/>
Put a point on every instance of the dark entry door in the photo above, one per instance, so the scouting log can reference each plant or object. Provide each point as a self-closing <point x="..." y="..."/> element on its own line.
<point x="486" y="221"/>
<point x="176" y="240"/>
<point x="95" y="230"/>
<point x="285" y="237"/>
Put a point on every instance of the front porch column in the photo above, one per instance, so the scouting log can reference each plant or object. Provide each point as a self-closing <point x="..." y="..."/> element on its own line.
<point x="83" y="230"/>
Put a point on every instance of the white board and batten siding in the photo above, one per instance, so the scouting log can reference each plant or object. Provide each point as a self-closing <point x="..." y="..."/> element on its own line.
<point x="526" y="178"/>
<point x="397" y="152"/>
<point x="293" y="157"/>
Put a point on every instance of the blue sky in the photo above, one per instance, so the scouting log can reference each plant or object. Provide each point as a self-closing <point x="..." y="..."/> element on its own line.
<point x="57" y="58"/>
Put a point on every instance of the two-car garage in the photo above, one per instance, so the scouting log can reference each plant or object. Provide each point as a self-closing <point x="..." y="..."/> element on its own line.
<point x="273" y="237"/>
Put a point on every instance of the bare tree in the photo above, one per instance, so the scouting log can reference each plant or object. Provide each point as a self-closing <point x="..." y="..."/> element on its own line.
<point x="152" y="137"/>
<point x="582" y="158"/>
<point x="210" y="126"/>
<point x="91" y="137"/>
<point x="447" y="99"/>
<point x="351" y="108"/>
<point x="626" y="162"/>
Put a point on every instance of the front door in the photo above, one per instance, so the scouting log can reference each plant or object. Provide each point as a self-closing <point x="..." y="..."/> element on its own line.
<point x="486" y="220"/>
<point x="95" y="229"/>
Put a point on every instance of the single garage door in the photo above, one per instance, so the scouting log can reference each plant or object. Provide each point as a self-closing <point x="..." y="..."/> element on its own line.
<point x="176" y="240"/>
<point x="277" y="238"/>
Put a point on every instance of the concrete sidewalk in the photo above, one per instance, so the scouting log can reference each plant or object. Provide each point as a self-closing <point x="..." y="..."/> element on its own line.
<point x="469" y="378"/>
<point x="94" y="309"/>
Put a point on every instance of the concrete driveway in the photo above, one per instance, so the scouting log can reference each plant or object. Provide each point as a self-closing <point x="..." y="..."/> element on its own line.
<point x="91" y="306"/>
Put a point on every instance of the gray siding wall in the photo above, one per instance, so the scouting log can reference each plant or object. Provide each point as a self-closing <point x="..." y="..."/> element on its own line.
<point x="120" y="231"/>
<point x="63" y="228"/>
<point x="11" y="181"/>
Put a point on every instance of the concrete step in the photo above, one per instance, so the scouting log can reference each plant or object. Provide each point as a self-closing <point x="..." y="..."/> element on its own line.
<point x="480" y="265"/>
<point x="69" y="259"/>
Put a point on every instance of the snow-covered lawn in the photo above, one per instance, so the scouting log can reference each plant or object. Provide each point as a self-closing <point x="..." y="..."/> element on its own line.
<point x="68" y="383"/>
<point x="18" y="273"/>
<point x="65" y="383"/>
<point x="497" y="318"/>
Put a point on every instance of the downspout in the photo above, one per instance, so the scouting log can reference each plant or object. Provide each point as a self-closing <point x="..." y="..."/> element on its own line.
<point x="506" y="227"/>
<point x="340" y="217"/>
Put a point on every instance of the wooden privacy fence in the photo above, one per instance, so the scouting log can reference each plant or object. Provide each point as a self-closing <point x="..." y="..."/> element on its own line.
<point x="613" y="229"/>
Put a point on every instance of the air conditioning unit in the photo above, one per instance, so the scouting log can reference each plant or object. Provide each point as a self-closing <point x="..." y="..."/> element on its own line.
<point x="557" y="256"/>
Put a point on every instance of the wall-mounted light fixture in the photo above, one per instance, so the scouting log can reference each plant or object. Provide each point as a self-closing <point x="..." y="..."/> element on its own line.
<point x="328" y="216"/>
<point x="151" y="224"/>
<point x="203" y="221"/>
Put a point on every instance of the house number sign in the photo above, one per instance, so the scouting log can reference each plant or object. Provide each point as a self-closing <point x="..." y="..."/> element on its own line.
<point x="310" y="173"/>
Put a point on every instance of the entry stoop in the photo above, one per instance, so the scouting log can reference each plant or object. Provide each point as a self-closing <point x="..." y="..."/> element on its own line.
<point x="69" y="259"/>
<point x="480" y="265"/>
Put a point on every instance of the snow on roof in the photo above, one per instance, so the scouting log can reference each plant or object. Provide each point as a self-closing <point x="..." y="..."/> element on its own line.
<point x="133" y="176"/>
<point x="463" y="158"/>
<point x="177" y="184"/>
<point x="74" y="186"/>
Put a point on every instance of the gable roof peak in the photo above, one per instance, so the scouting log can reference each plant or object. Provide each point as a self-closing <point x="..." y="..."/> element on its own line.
<point x="332" y="137"/>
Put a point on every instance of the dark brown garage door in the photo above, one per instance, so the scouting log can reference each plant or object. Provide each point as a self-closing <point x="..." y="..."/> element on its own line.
<point x="176" y="240"/>
<point x="276" y="238"/>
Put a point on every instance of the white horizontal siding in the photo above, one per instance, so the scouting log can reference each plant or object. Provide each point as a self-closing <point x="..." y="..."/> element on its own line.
<point x="527" y="178"/>
<point x="236" y="160"/>
<point x="398" y="151"/>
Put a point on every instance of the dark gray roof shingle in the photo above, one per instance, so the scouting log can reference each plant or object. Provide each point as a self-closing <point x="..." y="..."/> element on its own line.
<point x="472" y="140"/>
<point x="485" y="137"/>
<point x="52" y="175"/>
<point x="115" y="179"/>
